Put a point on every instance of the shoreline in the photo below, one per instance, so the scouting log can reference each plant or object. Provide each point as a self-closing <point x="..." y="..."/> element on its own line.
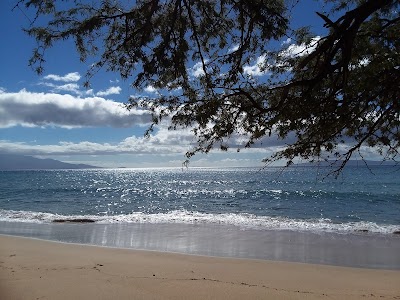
<point x="361" y="250"/>
<point x="52" y="270"/>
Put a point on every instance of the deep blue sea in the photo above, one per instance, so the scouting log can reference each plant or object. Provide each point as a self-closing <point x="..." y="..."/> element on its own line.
<point x="297" y="198"/>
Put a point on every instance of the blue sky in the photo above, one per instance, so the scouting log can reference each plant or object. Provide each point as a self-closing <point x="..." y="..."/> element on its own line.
<point x="54" y="116"/>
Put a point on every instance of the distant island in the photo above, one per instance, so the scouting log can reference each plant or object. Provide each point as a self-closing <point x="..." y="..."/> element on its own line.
<point x="10" y="162"/>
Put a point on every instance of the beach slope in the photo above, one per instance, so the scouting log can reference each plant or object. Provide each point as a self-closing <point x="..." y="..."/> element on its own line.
<point x="35" y="269"/>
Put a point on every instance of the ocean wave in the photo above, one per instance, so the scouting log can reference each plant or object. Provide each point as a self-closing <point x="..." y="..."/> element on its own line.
<point x="245" y="221"/>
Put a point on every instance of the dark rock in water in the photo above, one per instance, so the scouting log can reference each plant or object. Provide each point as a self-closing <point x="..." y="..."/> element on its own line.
<point x="74" y="221"/>
<point x="396" y="232"/>
<point x="362" y="230"/>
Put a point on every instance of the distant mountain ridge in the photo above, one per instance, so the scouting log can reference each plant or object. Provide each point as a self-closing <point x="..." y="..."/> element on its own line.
<point x="9" y="162"/>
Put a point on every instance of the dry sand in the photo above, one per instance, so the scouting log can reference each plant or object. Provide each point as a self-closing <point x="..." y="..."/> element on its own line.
<point x="34" y="269"/>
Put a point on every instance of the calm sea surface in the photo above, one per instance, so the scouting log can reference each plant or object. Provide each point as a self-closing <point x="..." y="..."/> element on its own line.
<point x="299" y="198"/>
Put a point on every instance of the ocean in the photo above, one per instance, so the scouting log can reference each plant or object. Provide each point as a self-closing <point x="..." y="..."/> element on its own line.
<point x="300" y="198"/>
<point x="247" y="205"/>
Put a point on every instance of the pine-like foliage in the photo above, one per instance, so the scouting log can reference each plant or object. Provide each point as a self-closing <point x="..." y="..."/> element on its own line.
<point x="339" y="94"/>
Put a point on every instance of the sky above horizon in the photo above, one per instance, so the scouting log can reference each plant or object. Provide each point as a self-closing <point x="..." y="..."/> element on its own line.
<point x="53" y="116"/>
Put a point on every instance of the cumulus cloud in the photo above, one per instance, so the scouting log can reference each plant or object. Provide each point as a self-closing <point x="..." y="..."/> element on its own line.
<point x="161" y="142"/>
<point x="233" y="48"/>
<point x="70" y="77"/>
<point x="258" y="69"/>
<point x="114" y="90"/>
<point x="150" y="89"/>
<point x="287" y="41"/>
<point x="89" y="92"/>
<point x="131" y="145"/>
<point x="295" y="50"/>
<point x="69" y="87"/>
<point x="197" y="69"/>
<point x="49" y="109"/>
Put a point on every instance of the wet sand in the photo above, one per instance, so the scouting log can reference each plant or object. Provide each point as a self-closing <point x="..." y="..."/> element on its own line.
<point x="366" y="250"/>
<point x="36" y="269"/>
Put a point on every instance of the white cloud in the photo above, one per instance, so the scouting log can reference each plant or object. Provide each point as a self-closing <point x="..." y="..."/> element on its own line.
<point x="303" y="49"/>
<point x="69" y="87"/>
<point x="131" y="152"/>
<point x="287" y="41"/>
<point x="150" y="89"/>
<point x="361" y="63"/>
<point x="258" y="69"/>
<point x="164" y="147"/>
<point x="70" y="77"/>
<point x="233" y="48"/>
<point x="197" y="69"/>
<point x="89" y="92"/>
<point x="114" y="90"/>
<point x="49" y="109"/>
<point x="162" y="142"/>
<point x="130" y="145"/>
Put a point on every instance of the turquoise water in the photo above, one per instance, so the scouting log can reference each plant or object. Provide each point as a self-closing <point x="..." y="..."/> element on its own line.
<point x="299" y="198"/>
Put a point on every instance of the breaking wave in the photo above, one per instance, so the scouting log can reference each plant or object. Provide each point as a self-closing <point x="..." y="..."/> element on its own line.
<point x="241" y="220"/>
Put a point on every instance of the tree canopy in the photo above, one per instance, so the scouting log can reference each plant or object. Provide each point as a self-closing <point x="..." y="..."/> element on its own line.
<point x="331" y="93"/>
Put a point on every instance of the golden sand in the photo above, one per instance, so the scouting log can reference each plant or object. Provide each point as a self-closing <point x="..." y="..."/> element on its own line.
<point x="35" y="269"/>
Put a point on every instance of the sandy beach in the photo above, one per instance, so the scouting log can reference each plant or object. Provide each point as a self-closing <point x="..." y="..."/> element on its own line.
<point x="36" y="269"/>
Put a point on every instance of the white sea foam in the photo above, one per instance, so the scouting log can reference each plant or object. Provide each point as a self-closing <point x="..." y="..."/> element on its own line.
<point x="245" y="221"/>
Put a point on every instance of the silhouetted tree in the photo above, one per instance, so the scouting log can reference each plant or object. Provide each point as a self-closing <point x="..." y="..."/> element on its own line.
<point x="334" y="93"/>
